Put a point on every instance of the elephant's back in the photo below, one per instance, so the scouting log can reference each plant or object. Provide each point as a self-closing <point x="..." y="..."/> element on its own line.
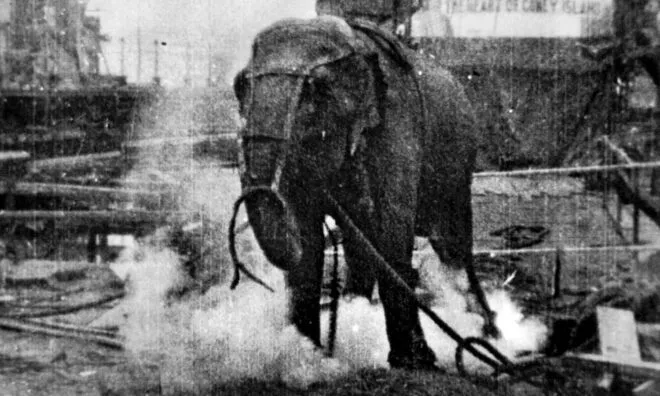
<point x="450" y="112"/>
<point x="449" y="142"/>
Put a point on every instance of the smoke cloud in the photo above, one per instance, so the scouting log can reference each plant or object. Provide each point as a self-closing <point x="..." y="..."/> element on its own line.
<point x="227" y="335"/>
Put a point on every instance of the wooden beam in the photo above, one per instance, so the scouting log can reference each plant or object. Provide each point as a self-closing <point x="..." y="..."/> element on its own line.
<point x="71" y="161"/>
<point x="631" y="369"/>
<point x="80" y="333"/>
<point x="84" y="193"/>
<point x="625" y="187"/>
<point x="124" y="219"/>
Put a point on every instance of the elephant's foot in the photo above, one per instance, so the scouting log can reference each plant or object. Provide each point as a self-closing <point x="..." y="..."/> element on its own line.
<point x="419" y="357"/>
<point x="490" y="329"/>
<point x="348" y="298"/>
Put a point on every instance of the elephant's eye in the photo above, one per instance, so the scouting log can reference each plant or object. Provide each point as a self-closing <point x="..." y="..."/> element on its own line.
<point x="307" y="107"/>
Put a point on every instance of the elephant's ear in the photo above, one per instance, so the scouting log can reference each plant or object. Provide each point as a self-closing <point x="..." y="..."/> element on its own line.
<point x="373" y="105"/>
<point x="240" y="87"/>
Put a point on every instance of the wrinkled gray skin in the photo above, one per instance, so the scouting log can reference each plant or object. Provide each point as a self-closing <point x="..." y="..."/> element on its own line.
<point x="357" y="132"/>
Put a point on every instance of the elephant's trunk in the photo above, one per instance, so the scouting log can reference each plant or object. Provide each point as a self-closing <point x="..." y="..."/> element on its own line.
<point x="272" y="219"/>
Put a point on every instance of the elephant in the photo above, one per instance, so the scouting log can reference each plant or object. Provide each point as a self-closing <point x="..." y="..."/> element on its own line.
<point x="332" y="107"/>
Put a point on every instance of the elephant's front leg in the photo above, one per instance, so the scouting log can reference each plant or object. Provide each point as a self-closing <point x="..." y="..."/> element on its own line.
<point x="305" y="279"/>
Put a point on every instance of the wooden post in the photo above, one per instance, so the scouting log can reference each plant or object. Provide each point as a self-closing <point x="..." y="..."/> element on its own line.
<point x="408" y="16"/>
<point x="396" y="9"/>
<point x="209" y="78"/>
<point x="156" y="78"/>
<point x="619" y="209"/>
<point x="556" y="282"/>
<point x="187" y="79"/>
<point x="635" y="180"/>
<point x="122" y="57"/>
<point x="139" y="54"/>
<point x="655" y="173"/>
<point x="92" y="245"/>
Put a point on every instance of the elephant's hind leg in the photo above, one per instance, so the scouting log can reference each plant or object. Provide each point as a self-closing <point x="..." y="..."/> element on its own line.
<point x="451" y="238"/>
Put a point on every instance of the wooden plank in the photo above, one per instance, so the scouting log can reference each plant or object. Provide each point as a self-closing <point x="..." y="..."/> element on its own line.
<point x="13" y="164"/>
<point x="648" y="388"/>
<point x="568" y="170"/>
<point x="95" y="194"/>
<point x="75" y="160"/>
<point x="617" y="332"/>
<point x="110" y="220"/>
<point x="14" y="156"/>
<point x="628" y="369"/>
<point x="34" y="269"/>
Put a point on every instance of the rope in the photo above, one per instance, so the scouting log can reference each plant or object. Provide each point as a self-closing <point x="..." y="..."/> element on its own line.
<point x="467" y="342"/>
<point x="387" y="271"/>
<point x="334" y="294"/>
<point x="238" y="265"/>
<point x="499" y="362"/>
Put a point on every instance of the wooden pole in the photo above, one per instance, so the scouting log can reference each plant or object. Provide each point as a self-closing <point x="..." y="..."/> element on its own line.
<point x="209" y="78"/>
<point x="83" y="193"/>
<point x="122" y="57"/>
<point x="396" y="8"/>
<point x="139" y="54"/>
<point x="129" y="220"/>
<point x="156" y="60"/>
<point x="27" y="326"/>
<point x="187" y="78"/>
<point x="569" y="170"/>
<point x="556" y="281"/>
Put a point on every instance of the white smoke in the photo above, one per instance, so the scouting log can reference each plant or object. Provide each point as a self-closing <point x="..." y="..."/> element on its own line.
<point x="229" y="335"/>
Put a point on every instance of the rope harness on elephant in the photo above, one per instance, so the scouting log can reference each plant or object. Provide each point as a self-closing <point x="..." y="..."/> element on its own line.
<point x="238" y="265"/>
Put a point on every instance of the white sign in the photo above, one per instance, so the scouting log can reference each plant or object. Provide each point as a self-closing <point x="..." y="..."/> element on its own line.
<point x="515" y="18"/>
<point x="584" y="7"/>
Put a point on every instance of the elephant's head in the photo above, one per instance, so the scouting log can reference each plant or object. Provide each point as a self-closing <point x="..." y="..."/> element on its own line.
<point x="307" y="95"/>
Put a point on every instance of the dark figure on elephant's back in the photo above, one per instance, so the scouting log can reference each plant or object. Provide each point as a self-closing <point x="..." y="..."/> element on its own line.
<point x="339" y="108"/>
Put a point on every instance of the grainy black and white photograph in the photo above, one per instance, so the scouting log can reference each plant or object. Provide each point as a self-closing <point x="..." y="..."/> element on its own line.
<point x="330" y="197"/>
